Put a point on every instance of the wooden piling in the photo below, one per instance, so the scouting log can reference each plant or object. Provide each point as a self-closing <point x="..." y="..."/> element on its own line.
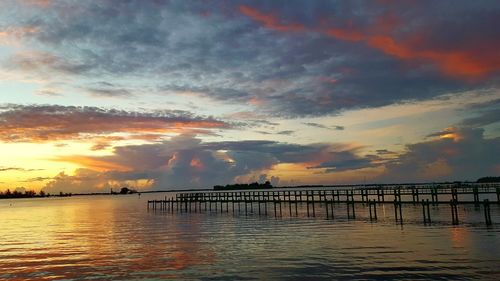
<point x="331" y="205"/>
<point x="398" y="212"/>
<point x="487" y="213"/>
<point x="475" y="190"/>
<point x="313" y="205"/>
<point x="373" y="214"/>
<point x="351" y="212"/>
<point x="454" y="194"/>
<point x="426" y="211"/>
<point x="454" y="212"/>
<point x="380" y="194"/>
<point x="414" y="195"/>
<point x="434" y="195"/>
<point x="307" y="203"/>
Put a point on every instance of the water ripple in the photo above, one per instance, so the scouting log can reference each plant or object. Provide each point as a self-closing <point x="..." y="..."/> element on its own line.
<point x="110" y="238"/>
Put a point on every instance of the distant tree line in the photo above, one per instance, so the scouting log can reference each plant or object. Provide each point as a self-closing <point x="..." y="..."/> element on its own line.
<point x="31" y="193"/>
<point x="238" y="186"/>
<point x="488" y="179"/>
<point x="19" y="194"/>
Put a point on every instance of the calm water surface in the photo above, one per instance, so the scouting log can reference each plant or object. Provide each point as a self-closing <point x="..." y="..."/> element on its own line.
<point x="115" y="237"/>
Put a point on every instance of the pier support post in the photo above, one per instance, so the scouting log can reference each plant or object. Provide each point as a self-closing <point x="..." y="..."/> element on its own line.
<point x="487" y="212"/>
<point x="380" y="194"/>
<point x="246" y="204"/>
<point x="397" y="194"/>
<point x="260" y="201"/>
<point x="314" y="211"/>
<point x="454" y="194"/>
<point x="265" y="197"/>
<point x="274" y="203"/>
<point x="326" y="209"/>
<point x="475" y="190"/>
<point x="351" y="212"/>
<point x="296" y="203"/>
<point x="280" y="201"/>
<point x="414" y="194"/>
<point x="307" y="201"/>
<point x="426" y="211"/>
<point x="398" y="212"/>
<point x="434" y="195"/>
<point x="331" y="205"/>
<point x="373" y="205"/>
<point x="454" y="212"/>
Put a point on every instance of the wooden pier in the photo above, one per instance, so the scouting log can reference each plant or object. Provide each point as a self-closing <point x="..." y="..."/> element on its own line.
<point x="276" y="202"/>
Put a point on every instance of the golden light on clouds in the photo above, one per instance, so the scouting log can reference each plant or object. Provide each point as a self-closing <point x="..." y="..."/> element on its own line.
<point x="91" y="163"/>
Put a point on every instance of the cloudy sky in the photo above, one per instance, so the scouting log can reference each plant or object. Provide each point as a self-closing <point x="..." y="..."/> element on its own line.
<point x="188" y="94"/>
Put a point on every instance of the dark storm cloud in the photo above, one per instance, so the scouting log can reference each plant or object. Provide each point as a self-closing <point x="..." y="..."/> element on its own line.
<point x="384" y="152"/>
<point x="284" y="133"/>
<point x="109" y="92"/>
<point x="48" y="93"/>
<point x="106" y="89"/>
<point x="484" y="118"/>
<point x="42" y="62"/>
<point x="37" y="179"/>
<point x="459" y="154"/>
<point x="281" y="152"/>
<point x="302" y="58"/>
<point x="263" y="132"/>
<point x="344" y="161"/>
<point x="321" y="126"/>
<point x="483" y="114"/>
<point x="186" y="162"/>
<point x="440" y="133"/>
<point x="7" y="169"/>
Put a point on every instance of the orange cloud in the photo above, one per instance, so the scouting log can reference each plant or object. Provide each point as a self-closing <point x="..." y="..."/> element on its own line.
<point x="255" y="101"/>
<point x="458" y="62"/>
<point x="270" y="21"/>
<point x="453" y="63"/>
<point x="92" y="163"/>
<point x="328" y="80"/>
<point x="41" y="3"/>
<point x="11" y="36"/>
<point x="49" y="123"/>
<point x="197" y="164"/>
<point x="347" y="34"/>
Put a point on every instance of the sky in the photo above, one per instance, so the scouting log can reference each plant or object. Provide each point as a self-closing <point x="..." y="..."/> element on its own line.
<point x="158" y="95"/>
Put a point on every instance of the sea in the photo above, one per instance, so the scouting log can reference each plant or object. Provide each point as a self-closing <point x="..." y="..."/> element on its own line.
<point x="116" y="237"/>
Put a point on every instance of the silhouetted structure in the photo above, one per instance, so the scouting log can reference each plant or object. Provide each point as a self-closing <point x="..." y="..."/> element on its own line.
<point x="124" y="190"/>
